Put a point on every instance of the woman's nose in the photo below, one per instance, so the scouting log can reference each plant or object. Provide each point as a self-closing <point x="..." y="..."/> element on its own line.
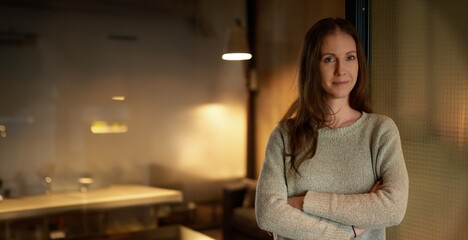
<point x="339" y="68"/>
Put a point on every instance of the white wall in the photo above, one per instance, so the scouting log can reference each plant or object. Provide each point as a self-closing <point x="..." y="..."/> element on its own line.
<point x="184" y="109"/>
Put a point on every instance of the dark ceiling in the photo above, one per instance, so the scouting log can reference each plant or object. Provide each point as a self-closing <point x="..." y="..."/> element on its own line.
<point x="173" y="7"/>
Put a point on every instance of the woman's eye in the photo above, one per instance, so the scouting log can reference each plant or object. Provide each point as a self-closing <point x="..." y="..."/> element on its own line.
<point x="329" y="59"/>
<point x="351" y="57"/>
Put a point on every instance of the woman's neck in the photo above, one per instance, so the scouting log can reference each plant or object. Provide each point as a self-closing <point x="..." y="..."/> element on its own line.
<point x="341" y="114"/>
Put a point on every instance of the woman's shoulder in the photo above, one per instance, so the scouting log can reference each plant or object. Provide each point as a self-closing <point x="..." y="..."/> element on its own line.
<point x="380" y="121"/>
<point x="280" y="131"/>
<point x="284" y="125"/>
<point x="281" y="128"/>
<point x="377" y="117"/>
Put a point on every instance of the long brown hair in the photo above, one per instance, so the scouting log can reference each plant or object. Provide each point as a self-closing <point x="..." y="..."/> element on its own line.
<point x="309" y="111"/>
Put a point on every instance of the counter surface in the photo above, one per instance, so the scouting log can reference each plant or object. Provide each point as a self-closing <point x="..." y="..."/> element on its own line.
<point x="109" y="197"/>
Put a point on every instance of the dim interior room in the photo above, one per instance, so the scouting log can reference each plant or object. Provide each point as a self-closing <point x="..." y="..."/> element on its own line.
<point x="120" y="92"/>
<point x="102" y="93"/>
<point x="181" y="109"/>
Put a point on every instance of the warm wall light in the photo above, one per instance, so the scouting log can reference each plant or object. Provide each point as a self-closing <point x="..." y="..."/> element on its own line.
<point x="102" y="127"/>
<point x="237" y="45"/>
<point x="118" y="98"/>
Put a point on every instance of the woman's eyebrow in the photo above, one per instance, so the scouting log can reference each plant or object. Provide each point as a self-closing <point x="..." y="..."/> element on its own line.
<point x="323" y="54"/>
<point x="332" y="54"/>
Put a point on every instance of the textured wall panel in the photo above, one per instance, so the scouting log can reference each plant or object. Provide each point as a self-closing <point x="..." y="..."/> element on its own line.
<point x="419" y="75"/>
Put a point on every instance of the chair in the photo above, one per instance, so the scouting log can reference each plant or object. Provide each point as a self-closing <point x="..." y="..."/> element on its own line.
<point x="239" y="222"/>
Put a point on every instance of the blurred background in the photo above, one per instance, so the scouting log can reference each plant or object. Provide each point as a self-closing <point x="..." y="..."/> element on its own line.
<point x="135" y="91"/>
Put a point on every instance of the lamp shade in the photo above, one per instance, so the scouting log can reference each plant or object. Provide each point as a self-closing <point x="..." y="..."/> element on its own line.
<point x="237" y="45"/>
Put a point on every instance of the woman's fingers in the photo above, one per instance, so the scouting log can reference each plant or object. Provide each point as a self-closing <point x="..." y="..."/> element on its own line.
<point x="377" y="186"/>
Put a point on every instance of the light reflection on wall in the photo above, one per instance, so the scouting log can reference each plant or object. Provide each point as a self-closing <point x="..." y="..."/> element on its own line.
<point x="118" y="98"/>
<point x="215" y="135"/>
<point x="3" y="131"/>
<point x="462" y="136"/>
<point x="451" y="120"/>
<point x="278" y="91"/>
<point x="103" y="127"/>
<point x="448" y="73"/>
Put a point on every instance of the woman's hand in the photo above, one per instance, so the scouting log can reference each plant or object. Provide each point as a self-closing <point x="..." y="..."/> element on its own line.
<point x="359" y="232"/>
<point x="296" y="202"/>
<point x="377" y="186"/>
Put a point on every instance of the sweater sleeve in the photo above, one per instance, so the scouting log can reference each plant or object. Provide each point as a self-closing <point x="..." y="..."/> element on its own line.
<point x="384" y="208"/>
<point x="273" y="212"/>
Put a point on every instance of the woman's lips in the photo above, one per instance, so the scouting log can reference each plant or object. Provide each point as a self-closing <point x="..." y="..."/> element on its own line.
<point x="341" y="82"/>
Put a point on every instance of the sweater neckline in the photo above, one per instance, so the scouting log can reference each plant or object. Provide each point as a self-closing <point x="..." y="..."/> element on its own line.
<point x="355" y="125"/>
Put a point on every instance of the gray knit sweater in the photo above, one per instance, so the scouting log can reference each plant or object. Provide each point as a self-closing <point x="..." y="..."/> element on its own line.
<point x="336" y="183"/>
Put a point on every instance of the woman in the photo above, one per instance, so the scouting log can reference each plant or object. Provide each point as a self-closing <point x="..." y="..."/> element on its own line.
<point x="332" y="169"/>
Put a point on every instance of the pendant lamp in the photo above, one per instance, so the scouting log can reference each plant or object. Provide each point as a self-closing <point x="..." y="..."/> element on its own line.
<point x="237" y="44"/>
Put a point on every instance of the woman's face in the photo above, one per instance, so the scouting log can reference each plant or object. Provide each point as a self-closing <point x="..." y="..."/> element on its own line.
<point x="338" y="65"/>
